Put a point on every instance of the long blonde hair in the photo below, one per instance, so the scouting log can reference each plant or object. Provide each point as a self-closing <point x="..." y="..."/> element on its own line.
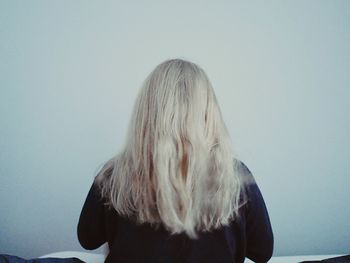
<point x="177" y="166"/>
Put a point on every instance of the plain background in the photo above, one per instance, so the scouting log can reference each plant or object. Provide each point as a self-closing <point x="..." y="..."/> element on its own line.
<point x="70" y="72"/>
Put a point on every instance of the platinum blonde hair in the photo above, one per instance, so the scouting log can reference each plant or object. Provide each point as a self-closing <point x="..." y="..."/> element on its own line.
<point x="177" y="166"/>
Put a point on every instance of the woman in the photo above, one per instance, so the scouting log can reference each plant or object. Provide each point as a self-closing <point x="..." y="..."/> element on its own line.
<point x="177" y="191"/>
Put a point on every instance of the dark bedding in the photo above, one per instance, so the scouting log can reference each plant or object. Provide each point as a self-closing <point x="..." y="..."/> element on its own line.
<point x="14" y="259"/>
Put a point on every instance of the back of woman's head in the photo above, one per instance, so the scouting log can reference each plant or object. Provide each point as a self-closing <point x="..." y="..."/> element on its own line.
<point x="177" y="166"/>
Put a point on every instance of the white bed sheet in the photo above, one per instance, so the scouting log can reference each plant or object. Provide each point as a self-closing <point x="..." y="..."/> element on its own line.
<point x="99" y="258"/>
<point x="84" y="256"/>
<point x="295" y="259"/>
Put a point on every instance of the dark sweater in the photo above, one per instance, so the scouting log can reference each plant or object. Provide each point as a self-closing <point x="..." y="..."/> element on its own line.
<point x="249" y="236"/>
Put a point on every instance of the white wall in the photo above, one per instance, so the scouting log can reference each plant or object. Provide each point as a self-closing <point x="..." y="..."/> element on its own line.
<point x="70" y="72"/>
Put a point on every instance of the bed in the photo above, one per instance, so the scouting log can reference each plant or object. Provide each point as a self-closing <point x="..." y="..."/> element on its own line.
<point x="99" y="258"/>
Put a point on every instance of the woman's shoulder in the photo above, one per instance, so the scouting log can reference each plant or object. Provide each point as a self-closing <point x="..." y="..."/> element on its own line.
<point x="250" y="192"/>
<point x="245" y="175"/>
